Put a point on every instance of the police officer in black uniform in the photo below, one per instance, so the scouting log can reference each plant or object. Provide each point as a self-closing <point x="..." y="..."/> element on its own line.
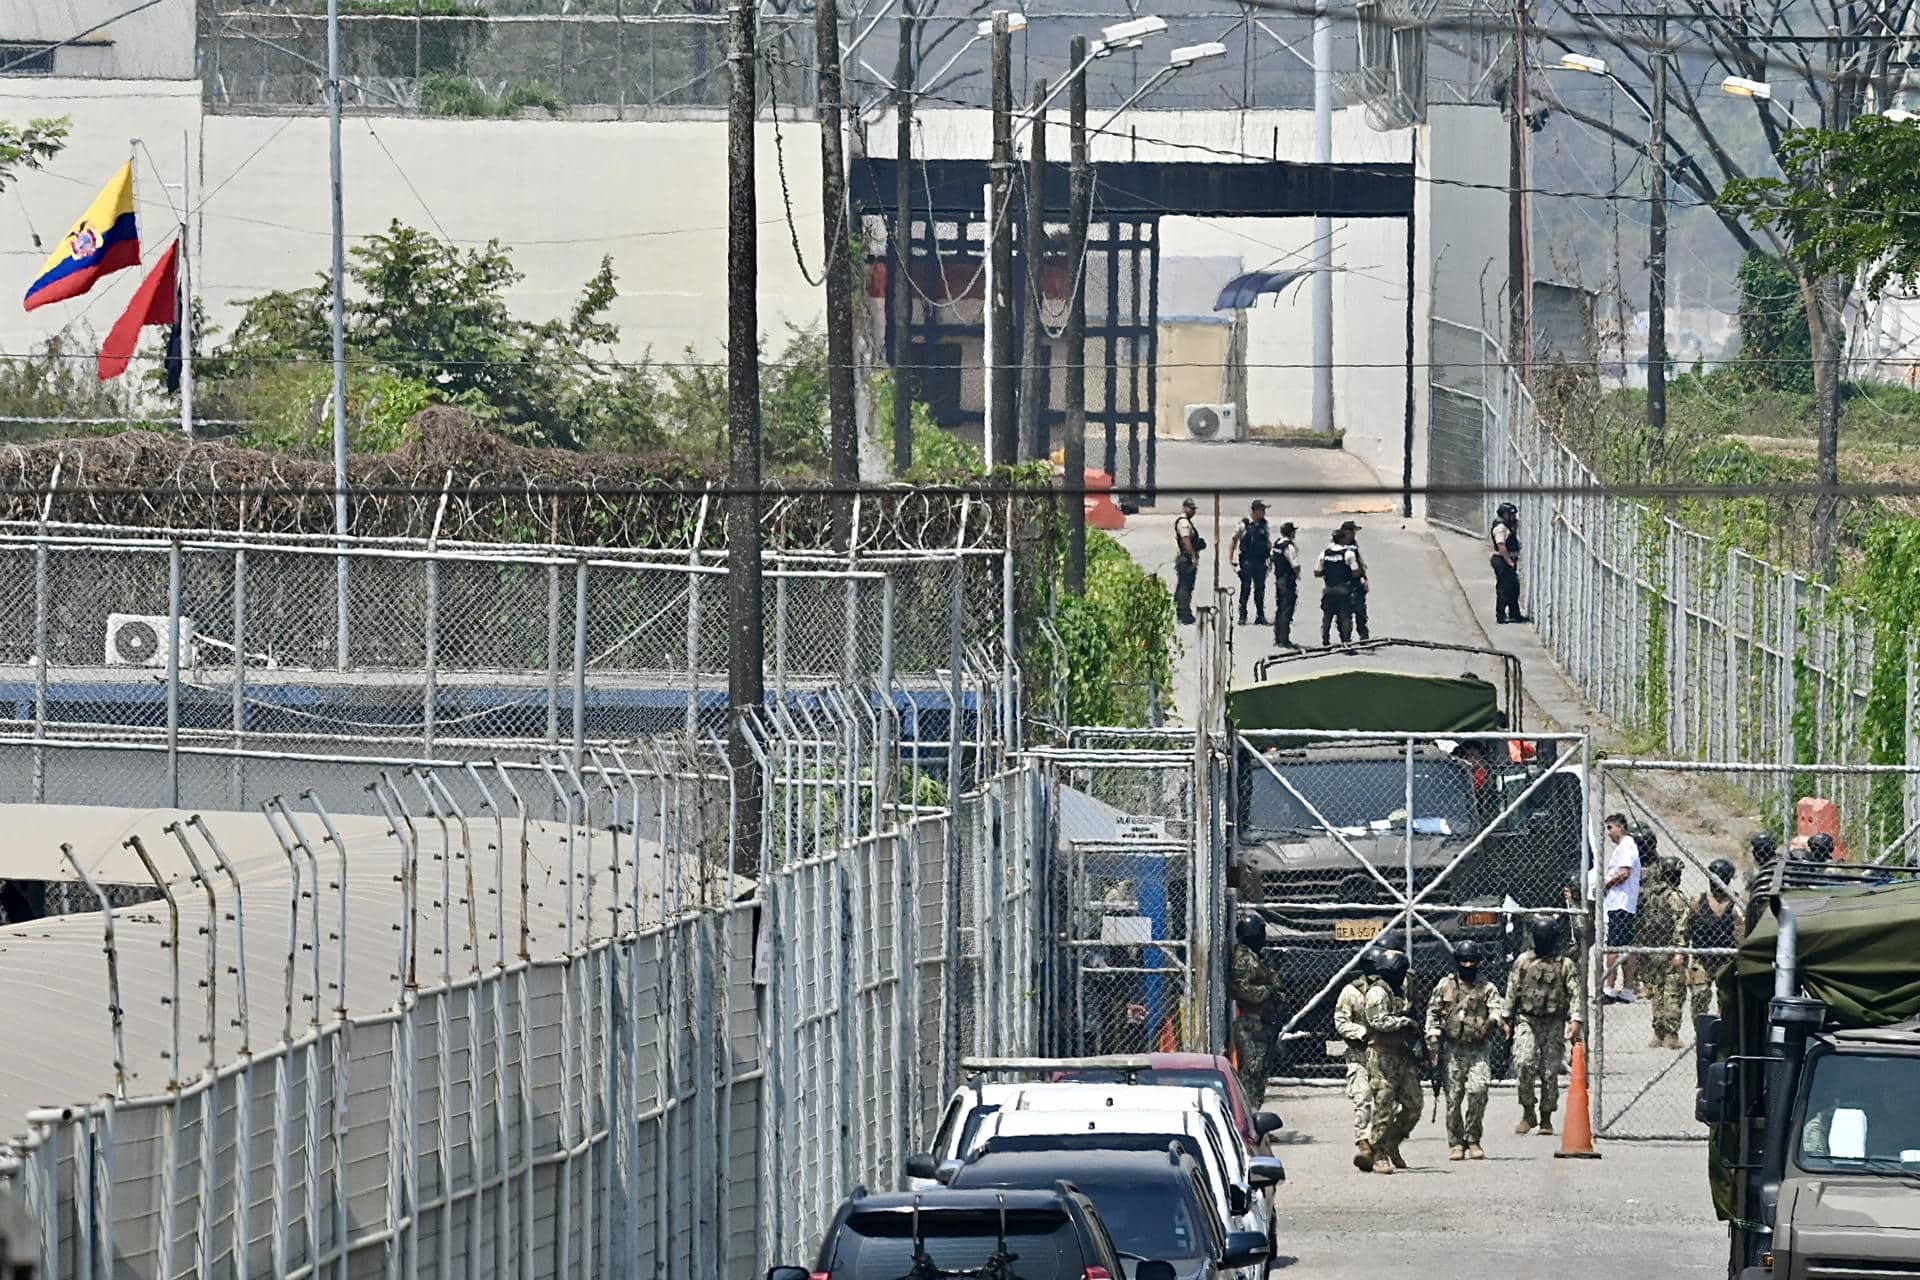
<point x="1252" y="544"/>
<point x="1506" y="564"/>
<point x="1286" y="586"/>
<point x="1339" y="574"/>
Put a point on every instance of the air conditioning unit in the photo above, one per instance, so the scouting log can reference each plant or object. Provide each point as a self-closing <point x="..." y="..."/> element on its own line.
<point x="1213" y="422"/>
<point x="140" y="640"/>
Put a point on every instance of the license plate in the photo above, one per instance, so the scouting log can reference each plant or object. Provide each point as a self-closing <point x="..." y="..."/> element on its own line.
<point x="1357" y="930"/>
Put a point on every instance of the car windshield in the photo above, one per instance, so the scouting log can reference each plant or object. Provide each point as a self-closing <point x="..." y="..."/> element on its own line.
<point x="1356" y="794"/>
<point x="1148" y="1219"/>
<point x="1184" y="1077"/>
<point x="1857" y="1114"/>
<point x="880" y="1245"/>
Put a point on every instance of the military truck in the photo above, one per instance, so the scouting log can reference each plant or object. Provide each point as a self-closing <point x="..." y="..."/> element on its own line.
<point x="1324" y="837"/>
<point x="1808" y="1077"/>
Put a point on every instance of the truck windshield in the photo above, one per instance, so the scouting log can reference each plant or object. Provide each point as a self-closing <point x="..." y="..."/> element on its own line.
<point x="1858" y="1116"/>
<point x="1355" y="795"/>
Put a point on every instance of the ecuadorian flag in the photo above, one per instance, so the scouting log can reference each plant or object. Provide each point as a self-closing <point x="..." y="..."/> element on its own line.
<point x="105" y="240"/>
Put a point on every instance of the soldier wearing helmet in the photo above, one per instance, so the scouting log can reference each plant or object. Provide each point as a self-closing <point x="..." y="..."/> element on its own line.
<point x="1463" y="1013"/>
<point x="1393" y="1041"/>
<point x="1350" y="1024"/>
<point x="1255" y="989"/>
<point x="1543" y="1015"/>
<point x="1506" y="564"/>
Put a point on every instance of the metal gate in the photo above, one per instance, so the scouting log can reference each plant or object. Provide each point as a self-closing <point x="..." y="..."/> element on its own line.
<point x="1135" y="899"/>
<point x="1342" y="837"/>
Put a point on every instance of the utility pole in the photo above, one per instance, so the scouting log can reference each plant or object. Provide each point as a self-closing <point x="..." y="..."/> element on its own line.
<point x="745" y="690"/>
<point x="1001" y="408"/>
<point x="184" y="301"/>
<point x="1519" y="271"/>
<point x="1322" y="225"/>
<point x="1035" y="381"/>
<point x="343" y="653"/>
<point x="842" y="437"/>
<point x="1657" y="252"/>
<point x="1074" y="342"/>
<point x="900" y="282"/>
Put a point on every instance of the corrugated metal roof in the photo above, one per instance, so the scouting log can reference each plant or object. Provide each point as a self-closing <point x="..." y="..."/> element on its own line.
<point x="53" y="974"/>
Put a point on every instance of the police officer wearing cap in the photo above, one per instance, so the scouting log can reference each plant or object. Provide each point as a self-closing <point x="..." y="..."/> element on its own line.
<point x="1506" y="564"/>
<point x="1286" y="586"/>
<point x="1187" y="546"/>
<point x="1252" y="544"/>
<point x="1339" y="573"/>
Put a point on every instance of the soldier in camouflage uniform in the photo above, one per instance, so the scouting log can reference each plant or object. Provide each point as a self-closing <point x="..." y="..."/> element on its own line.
<point x="1664" y="917"/>
<point x="1254" y="989"/>
<point x="1393" y="1042"/>
<point x="1462" y="1015"/>
<point x="1543" y="1016"/>
<point x="1349" y="1023"/>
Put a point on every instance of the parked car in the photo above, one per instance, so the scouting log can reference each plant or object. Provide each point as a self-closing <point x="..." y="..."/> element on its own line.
<point x="1052" y="1228"/>
<point x="1156" y="1205"/>
<point x="1198" y="1070"/>
<point x="970" y="1106"/>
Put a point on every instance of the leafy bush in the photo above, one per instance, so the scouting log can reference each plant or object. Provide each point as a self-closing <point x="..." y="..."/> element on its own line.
<point x="444" y="94"/>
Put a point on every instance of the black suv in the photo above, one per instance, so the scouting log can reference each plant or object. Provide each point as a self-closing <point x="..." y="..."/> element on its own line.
<point x="1051" y="1233"/>
<point x="1156" y="1204"/>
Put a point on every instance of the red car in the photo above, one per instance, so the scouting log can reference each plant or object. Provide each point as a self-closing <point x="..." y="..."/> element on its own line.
<point x="1191" y="1070"/>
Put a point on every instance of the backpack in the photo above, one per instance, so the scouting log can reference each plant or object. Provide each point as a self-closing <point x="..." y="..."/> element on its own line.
<point x="1539" y="987"/>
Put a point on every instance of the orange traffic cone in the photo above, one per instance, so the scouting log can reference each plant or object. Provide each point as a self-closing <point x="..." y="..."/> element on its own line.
<point x="1576" y="1131"/>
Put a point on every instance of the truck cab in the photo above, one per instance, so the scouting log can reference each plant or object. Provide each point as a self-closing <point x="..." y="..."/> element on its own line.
<point x="1810" y="1075"/>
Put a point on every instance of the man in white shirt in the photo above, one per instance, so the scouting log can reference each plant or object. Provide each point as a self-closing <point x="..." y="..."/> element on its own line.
<point x="1622" y="902"/>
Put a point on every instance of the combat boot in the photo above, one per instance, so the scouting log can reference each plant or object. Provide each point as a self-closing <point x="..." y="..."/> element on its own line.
<point x="1546" y="1123"/>
<point x="1382" y="1165"/>
<point x="1474" y="1152"/>
<point x="1363" y="1156"/>
<point x="1526" y="1123"/>
<point x="1456" y="1153"/>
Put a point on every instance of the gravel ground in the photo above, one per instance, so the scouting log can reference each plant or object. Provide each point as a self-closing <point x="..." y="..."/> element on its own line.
<point x="1639" y="1212"/>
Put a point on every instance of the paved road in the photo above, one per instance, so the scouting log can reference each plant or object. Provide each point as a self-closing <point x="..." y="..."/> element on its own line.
<point x="1639" y="1211"/>
<point x="1414" y="591"/>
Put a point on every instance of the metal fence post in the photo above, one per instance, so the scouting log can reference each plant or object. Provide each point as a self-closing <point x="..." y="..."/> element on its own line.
<point x="42" y="573"/>
<point x="580" y="579"/>
<point x="173" y="673"/>
<point x="430" y="685"/>
<point x="239" y="783"/>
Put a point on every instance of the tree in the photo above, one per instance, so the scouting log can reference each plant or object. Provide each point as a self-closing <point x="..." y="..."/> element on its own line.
<point x="1829" y="60"/>
<point x="1776" y="350"/>
<point x="29" y="146"/>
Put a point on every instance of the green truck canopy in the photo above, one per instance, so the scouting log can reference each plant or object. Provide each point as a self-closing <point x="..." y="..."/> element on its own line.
<point x="1859" y="953"/>
<point x="1364" y="700"/>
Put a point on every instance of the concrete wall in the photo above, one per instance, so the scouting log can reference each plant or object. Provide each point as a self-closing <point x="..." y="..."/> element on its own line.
<point x="156" y="43"/>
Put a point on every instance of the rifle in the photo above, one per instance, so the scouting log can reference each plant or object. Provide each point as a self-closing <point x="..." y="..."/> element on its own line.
<point x="1435" y="1077"/>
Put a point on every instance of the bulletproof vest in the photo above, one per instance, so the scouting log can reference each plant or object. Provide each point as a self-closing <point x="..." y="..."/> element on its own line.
<point x="1540" y="988"/>
<point x="1656" y="916"/>
<point x="1334" y="567"/>
<point x="1281" y="565"/>
<point x="1470" y="1014"/>
<point x="1256" y="541"/>
<point x="1513" y="537"/>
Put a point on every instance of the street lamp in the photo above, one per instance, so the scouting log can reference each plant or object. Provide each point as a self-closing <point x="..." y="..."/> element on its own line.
<point x="1656" y="114"/>
<point x="1741" y="87"/>
<point x="1016" y="22"/>
<point x="1179" y="60"/>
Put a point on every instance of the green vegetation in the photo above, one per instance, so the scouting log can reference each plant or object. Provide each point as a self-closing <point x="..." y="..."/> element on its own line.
<point x="447" y="94"/>
<point x="1119" y="639"/>
<point x="29" y="146"/>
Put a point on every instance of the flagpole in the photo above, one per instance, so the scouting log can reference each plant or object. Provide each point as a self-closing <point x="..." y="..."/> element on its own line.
<point x="342" y="653"/>
<point x="185" y="275"/>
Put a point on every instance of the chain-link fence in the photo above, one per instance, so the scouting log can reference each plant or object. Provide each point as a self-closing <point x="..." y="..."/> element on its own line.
<point x="1426" y="841"/>
<point x="1685" y="818"/>
<point x="519" y="1017"/>
<point x="1135" y="898"/>
<point x="294" y="644"/>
